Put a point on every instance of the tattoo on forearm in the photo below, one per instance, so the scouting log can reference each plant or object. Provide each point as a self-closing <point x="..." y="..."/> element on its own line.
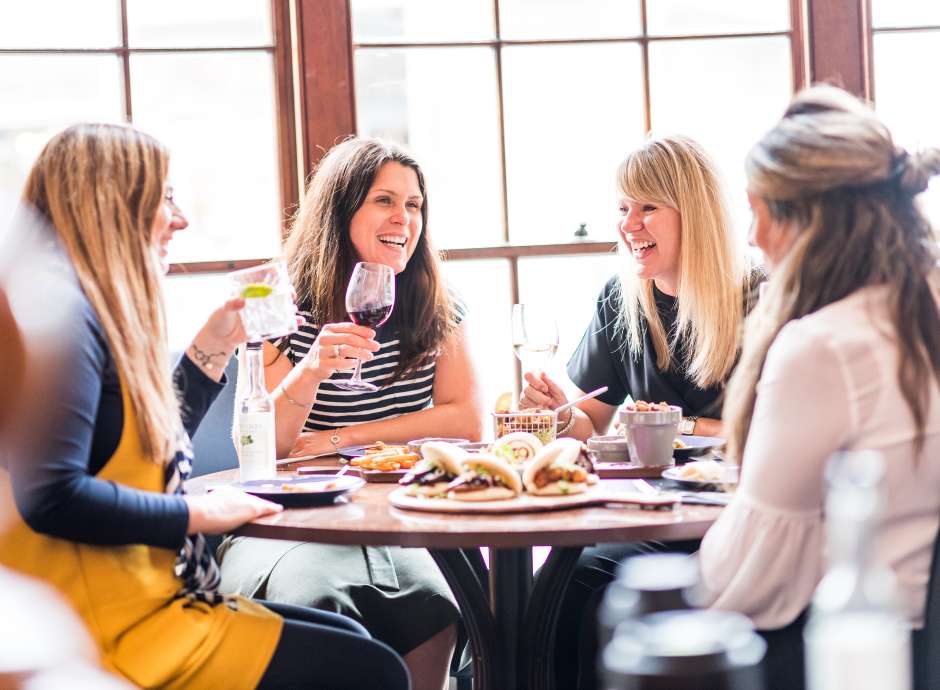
<point x="204" y="359"/>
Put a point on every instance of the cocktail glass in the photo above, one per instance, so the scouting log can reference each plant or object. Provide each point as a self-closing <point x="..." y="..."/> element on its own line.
<point x="269" y="310"/>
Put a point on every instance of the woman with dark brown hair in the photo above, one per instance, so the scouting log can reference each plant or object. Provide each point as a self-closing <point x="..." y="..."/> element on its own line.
<point x="367" y="201"/>
<point x="842" y="354"/>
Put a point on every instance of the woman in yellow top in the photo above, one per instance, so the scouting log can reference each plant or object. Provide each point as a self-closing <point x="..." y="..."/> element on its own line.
<point x="101" y="513"/>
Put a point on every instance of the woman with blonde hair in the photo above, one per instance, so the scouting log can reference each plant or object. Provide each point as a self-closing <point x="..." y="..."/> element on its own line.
<point x="367" y="201"/>
<point x="666" y="329"/>
<point x="843" y="355"/>
<point x="101" y="512"/>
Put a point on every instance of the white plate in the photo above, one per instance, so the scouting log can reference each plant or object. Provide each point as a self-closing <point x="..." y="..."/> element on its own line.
<point x="729" y="475"/>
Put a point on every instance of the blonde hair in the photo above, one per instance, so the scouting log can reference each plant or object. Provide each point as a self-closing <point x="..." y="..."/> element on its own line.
<point x="830" y="171"/>
<point x="676" y="172"/>
<point x="100" y="186"/>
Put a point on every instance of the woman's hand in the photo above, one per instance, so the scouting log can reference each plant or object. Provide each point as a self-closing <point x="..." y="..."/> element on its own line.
<point x="541" y="392"/>
<point x="311" y="443"/>
<point x="224" y="509"/>
<point x="337" y="348"/>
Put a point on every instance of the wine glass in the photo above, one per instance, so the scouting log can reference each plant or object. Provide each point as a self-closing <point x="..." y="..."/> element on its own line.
<point x="534" y="335"/>
<point x="370" y="297"/>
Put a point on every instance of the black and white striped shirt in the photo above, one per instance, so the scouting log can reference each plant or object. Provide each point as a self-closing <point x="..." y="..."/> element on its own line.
<point x="336" y="408"/>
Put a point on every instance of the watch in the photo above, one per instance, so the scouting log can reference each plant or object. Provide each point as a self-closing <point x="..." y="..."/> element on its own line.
<point x="335" y="440"/>
<point x="687" y="426"/>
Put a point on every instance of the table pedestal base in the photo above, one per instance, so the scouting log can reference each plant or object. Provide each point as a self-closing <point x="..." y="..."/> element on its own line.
<point x="510" y="620"/>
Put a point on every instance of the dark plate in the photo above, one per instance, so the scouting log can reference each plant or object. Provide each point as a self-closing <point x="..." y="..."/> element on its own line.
<point x="730" y="477"/>
<point x="272" y="490"/>
<point x="697" y="445"/>
<point x="350" y="452"/>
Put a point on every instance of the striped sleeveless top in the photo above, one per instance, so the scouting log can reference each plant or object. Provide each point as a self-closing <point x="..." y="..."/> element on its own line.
<point x="335" y="408"/>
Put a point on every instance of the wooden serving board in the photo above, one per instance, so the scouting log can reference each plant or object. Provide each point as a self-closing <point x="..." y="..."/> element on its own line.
<point x="527" y="503"/>
<point x="628" y="470"/>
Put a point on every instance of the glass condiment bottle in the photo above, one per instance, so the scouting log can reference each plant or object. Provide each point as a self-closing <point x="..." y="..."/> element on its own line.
<point x="685" y="650"/>
<point x="256" y="440"/>
<point x="856" y="637"/>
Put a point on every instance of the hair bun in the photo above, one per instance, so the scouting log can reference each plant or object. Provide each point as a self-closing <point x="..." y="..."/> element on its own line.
<point x="916" y="169"/>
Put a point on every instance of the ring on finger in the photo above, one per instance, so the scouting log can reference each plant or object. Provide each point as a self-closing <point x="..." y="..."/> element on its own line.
<point x="337" y="352"/>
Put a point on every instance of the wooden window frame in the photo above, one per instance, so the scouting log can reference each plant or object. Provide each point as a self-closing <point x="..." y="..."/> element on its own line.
<point x="281" y="49"/>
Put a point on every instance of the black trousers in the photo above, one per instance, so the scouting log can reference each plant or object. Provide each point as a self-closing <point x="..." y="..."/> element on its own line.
<point x="326" y="651"/>
<point x="577" y="622"/>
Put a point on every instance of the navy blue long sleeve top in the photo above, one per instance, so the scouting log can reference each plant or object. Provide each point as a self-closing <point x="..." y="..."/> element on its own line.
<point x="56" y="489"/>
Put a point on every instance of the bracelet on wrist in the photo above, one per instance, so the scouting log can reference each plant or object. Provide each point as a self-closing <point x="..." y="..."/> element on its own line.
<point x="204" y="359"/>
<point x="295" y="403"/>
<point x="567" y="426"/>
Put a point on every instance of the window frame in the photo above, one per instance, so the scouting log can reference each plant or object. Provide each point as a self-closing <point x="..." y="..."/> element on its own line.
<point x="281" y="49"/>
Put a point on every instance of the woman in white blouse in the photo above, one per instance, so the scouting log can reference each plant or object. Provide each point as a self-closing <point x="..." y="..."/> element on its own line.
<point x="843" y="353"/>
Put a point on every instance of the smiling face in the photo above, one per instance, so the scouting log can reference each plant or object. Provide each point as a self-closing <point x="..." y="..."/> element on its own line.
<point x="386" y="228"/>
<point x="653" y="234"/>
<point x="168" y="221"/>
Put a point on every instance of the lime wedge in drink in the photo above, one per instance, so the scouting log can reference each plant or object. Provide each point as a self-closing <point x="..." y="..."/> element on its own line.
<point x="256" y="290"/>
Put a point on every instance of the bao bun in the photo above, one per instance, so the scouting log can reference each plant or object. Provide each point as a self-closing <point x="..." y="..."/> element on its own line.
<point x="563" y="450"/>
<point x="511" y="484"/>
<point x="505" y="446"/>
<point x="447" y="456"/>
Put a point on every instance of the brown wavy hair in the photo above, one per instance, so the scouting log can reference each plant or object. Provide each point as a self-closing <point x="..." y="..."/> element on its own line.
<point x="100" y="186"/>
<point x="831" y="171"/>
<point x="321" y="256"/>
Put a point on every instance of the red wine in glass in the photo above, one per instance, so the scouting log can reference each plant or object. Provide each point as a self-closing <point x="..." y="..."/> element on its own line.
<point x="370" y="297"/>
<point x="371" y="316"/>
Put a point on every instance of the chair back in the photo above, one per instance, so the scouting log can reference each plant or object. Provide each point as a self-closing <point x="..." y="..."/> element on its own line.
<point x="213" y="448"/>
<point x="926" y="642"/>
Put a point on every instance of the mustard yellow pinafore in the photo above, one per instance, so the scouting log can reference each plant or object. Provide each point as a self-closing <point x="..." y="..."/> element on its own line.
<point x="125" y="595"/>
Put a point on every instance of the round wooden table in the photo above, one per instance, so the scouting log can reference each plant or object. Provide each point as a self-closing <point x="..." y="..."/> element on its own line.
<point x="509" y="615"/>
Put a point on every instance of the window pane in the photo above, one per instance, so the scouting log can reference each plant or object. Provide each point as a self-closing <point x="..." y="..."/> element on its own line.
<point x="911" y="111"/>
<point x="189" y="300"/>
<point x="488" y="308"/>
<point x="219" y="123"/>
<point x="43" y="94"/>
<point x="904" y="13"/>
<point x="183" y="23"/>
<point x="683" y="17"/>
<point x="566" y="19"/>
<point x="60" y="24"/>
<point x="570" y="285"/>
<point x="422" y="20"/>
<point x="569" y="122"/>
<point x="450" y="124"/>
<point x="725" y="93"/>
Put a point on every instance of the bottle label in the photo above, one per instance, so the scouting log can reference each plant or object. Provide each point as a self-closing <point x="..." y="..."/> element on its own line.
<point x="256" y="447"/>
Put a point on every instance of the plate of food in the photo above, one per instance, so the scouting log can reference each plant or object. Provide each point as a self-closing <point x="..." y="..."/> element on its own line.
<point x="685" y="447"/>
<point x="703" y="475"/>
<point x="350" y="452"/>
<point x="301" y="491"/>
<point x="449" y="480"/>
<point x="381" y="462"/>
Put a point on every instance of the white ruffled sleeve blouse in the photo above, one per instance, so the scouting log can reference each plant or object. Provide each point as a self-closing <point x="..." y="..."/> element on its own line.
<point x="829" y="383"/>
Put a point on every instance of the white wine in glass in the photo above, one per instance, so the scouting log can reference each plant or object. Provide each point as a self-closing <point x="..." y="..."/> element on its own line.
<point x="534" y="335"/>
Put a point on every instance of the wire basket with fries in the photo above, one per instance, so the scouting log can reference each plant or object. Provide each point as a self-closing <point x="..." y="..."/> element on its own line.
<point x="540" y="423"/>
